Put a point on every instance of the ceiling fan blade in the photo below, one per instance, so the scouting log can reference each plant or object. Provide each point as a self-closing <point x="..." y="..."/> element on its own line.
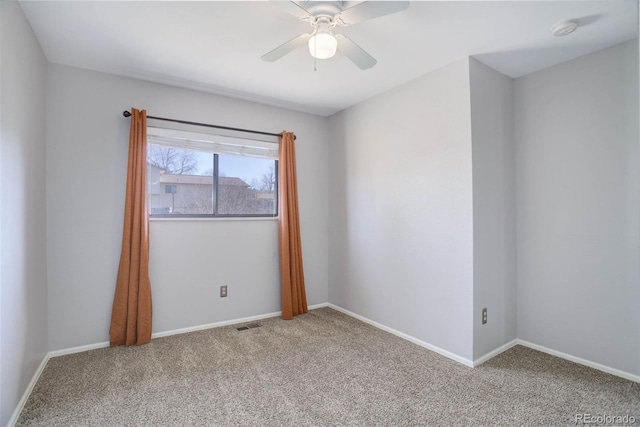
<point x="287" y="47"/>
<point x="370" y="10"/>
<point x="355" y="53"/>
<point x="293" y="8"/>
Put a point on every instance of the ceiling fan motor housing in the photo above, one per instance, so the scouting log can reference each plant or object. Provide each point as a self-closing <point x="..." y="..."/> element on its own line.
<point x="323" y="24"/>
<point x="323" y="8"/>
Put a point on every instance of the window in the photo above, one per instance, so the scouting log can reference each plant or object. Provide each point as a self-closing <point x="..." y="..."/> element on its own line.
<point x="202" y="175"/>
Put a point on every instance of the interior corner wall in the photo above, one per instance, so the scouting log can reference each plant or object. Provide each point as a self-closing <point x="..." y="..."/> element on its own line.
<point x="86" y="173"/>
<point x="578" y="207"/>
<point x="23" y="313"/>
<point x="401" y="250"/>
<point x="494" y="213"/>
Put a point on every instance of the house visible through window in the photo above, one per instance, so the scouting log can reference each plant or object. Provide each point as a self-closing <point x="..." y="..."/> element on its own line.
<point x="201" y="175"/>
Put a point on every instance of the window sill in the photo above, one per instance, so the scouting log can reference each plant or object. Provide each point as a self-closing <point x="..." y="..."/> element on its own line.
<point x="227" y="218"/>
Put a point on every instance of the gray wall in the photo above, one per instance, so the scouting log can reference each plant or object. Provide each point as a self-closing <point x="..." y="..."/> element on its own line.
<point x="189" y="260"/>
<point x="401" y="209"/>
<point x="494" y="212"/>
<point x="578" y="207"/>
<point x="23" y="292"/>
<point x="554" y="220"/>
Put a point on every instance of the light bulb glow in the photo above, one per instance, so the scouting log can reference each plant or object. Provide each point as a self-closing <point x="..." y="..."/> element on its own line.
<point x="323" y="46"/>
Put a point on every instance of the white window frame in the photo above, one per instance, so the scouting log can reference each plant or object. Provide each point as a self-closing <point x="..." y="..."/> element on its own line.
<point x="216" y="144"/>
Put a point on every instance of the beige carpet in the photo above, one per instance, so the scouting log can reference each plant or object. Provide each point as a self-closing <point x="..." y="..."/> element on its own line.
<point x="322" y="368"/>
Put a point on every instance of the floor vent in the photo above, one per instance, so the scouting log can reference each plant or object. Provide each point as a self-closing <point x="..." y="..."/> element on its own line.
<point x="251" y="326"/>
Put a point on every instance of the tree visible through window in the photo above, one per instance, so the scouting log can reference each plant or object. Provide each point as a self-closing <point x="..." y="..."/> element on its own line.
<point x="188" y="182"/>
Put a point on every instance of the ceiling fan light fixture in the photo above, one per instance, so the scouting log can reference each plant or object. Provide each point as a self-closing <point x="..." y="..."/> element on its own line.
<point x="323" y="45"/>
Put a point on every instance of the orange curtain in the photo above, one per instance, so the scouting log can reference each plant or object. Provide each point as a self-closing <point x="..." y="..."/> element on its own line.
<point x="294" y="299"/>
<point x="131" y="315"/>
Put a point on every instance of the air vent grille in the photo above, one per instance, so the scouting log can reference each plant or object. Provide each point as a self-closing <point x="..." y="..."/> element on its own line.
<point x="249" y="326"/>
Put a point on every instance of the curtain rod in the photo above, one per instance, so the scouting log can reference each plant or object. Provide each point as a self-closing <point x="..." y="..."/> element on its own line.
<point x="126" y="113"/>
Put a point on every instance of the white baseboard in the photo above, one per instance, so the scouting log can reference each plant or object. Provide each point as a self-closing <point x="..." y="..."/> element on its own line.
<point x="491" y="354"/>
<point x="214" y="325"/>
<point x="78" y="349"/>
<point x="321" y="305"/>
<point x="27" y="392"/>
<point x="581" y="361"/>
<point x="105" y="344"/>
<point x="414" y="340"/>
<point x="225" y="323"/>
<point x="480" y="360"/>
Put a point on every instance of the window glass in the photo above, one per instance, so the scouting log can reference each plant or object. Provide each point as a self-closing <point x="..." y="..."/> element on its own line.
<point x="190" y="182"/>
<point x="246" y="185"/>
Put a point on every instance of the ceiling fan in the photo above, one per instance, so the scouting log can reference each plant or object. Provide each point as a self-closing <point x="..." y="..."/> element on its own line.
<point x="324" y="17"/>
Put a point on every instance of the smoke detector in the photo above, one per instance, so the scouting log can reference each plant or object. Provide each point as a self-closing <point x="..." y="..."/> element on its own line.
<point x="564" y="28"/>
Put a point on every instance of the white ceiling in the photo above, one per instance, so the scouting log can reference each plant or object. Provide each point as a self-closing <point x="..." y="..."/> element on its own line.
<point x="216" y="46"/>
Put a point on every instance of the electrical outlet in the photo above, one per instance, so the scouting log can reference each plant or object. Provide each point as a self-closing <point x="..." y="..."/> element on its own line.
<point x="223" y="291"/>
<point x="484" y="316"/>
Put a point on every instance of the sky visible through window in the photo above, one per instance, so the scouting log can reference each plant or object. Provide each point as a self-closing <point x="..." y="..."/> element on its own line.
<point x="248" y="169"/>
